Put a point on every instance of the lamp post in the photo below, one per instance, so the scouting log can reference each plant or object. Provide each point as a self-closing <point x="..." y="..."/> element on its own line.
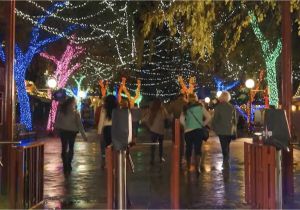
<point x="52" y="83"/>
<point x="207" y="100"/>
<point x="82" y="94"/>
<point x="250" y="84"/>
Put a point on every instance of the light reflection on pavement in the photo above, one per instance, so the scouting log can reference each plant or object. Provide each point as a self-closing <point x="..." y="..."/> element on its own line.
<point x="149" y="186"/>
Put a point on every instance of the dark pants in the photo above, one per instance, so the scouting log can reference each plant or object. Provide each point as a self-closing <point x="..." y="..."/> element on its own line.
<point x="106" y="140"/>
<point x="225" y="144"/>
<point x="193" y="140"/>
<point x="67" y="147"/>
<point x="135" y="128"/>
<point x="155" y="137"/>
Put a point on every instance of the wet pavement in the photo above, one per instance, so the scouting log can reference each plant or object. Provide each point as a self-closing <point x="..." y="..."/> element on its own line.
<point x="149" y="186"/>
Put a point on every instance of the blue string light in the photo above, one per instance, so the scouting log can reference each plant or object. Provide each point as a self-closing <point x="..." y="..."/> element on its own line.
<point x="2" y="54"/>
<point x="220" y="84"/>
<point x="242" y="112"/>
<point x="24" y="58"/>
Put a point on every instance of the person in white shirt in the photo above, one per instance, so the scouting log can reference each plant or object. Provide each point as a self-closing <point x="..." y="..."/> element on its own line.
<point x="105" y="123"/>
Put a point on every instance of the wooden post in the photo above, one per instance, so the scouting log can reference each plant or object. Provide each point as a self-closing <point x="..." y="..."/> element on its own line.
<point x="175" y="168"/>
<point x="286" y="94"/>
<point x="109" y="157"/>
<point x="9" y="96"/>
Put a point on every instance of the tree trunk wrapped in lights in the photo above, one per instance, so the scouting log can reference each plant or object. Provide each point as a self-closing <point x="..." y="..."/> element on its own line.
<point x="132" y="100"/>
<point x="270" y="58"/>
<point x="63" y="71"/>
<point x="103" y="87"/>
<point x="78" y="93"/>
<point x="23" y="60"/>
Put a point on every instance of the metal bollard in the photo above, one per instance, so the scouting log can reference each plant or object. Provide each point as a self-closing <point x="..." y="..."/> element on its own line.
<point x="278" y="179"/>
<point x="121" y="177"/>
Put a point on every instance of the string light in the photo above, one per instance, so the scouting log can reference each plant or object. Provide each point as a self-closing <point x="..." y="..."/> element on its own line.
<point x="123" y="35"/>
<point x="24" y="58"/>
<point x="62" y="73"/>
<point x="221" y="86"/>
<point x="297" y="94"/>
<point x="2" y="54"/>
<point x="242" y="112"/>
<point x="162" y="66"/>
<point x="77" y="92"/>
<point x="85" y="22"/>
<point x="96" y="70"/>
<point x="270" y="58"/>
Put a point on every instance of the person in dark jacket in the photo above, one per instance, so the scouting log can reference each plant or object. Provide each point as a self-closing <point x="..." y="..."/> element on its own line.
<point x="105" y="123"/>
<point x="224" y="124"/>
<point x="68" y="123"/>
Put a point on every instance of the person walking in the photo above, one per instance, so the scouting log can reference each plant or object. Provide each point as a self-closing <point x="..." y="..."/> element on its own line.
<point x="224" y="125"/>
<point x="192" y="119"/>
<point x="68" y="123"/>
<point x="156" y="122"/>
<point x="105" y="123"/>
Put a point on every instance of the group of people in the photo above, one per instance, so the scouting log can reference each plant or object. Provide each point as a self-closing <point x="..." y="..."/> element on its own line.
<point x="192" y="114"/>
<point x="194" y="118"/>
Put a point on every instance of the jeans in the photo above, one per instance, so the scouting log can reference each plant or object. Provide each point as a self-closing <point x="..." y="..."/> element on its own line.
<point x="67" y="147"/>
<point x="155" y="137"/>
<point x="225" y="144"/>
<point x="193" y="140"/>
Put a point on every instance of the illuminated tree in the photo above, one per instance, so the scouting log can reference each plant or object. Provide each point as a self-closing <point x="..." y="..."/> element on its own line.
<point x="199" y="22"/>
<point x="78" y="93"/>
<point x="163" y="61"/>
<point x="23" y="59"/>
<point x="64" y="69"/>
<point x="270" y="56"/>
<point x="221" y="86"/>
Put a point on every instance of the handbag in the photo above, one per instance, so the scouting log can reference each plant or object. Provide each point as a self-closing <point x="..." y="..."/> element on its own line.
<point x="205" y="131"/>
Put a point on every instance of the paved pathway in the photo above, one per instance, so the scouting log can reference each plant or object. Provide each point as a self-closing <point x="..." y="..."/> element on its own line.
<point x="149" y="185"/>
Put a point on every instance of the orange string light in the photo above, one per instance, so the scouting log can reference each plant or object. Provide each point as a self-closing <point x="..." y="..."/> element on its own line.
<point x="124" y="89"/>
<point x="103" y="87"/>
<point x="184" y="88"/>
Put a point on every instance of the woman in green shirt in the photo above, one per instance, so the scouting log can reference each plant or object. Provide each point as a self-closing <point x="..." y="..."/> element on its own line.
<point x="192" y="119"/>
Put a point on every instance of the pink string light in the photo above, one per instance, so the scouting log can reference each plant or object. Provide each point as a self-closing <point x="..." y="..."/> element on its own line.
<point x="63" y="71"/>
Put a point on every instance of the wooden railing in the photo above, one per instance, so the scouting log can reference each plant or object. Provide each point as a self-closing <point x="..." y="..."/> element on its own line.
<point x="260" y="171"/>
<point x="110" y="177"/>
<point x="27" y="183"/>
<point x="175" y="167"/>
